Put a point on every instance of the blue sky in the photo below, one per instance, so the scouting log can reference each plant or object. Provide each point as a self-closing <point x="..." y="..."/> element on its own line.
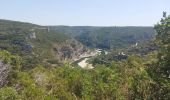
<point x="85" y="12"/>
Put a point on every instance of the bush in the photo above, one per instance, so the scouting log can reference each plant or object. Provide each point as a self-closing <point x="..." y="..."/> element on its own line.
<point x="9" y="93"/>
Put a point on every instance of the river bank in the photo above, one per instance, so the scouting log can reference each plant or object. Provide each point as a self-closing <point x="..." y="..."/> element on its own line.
<point x="82" y="61"/>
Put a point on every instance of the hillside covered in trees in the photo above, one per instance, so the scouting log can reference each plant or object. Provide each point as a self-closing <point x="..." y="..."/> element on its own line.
<point x="25" y="47"/>
<point x="37" y="44"/>
<point x="107" y="37"/>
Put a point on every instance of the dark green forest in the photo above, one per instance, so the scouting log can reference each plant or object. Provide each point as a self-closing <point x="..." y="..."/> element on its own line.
<point x="37" y="67"/>
<point x="107" y="37"/>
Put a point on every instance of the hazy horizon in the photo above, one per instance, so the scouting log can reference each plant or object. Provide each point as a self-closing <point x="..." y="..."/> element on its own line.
<point x="85" y="13"/>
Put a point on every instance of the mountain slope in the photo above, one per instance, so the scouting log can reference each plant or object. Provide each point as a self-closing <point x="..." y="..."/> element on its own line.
<point x="107" y="37"/>
<point x="55" y="44"/>
<point x="37" y="43"/>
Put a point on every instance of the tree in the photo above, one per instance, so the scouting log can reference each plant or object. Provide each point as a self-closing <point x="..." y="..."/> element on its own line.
<point x="160" y="72"/>
<point x="163" y="40"/>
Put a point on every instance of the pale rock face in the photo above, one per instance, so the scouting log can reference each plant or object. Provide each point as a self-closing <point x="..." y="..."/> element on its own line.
<point x="4" y="70"/>
<point x="32" y="35"/>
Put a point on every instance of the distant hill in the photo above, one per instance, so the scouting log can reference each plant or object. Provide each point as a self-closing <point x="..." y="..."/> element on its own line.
<point x="108" y="37"/>
<point x="55" y="44"/>
<point x="37" y="43"/>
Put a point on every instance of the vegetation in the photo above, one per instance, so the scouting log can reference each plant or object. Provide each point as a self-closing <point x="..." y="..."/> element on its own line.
<point x="137" y="77"/>
<point x="108" y="37"/>
<point x="36" y="44"/>
<point x="118" y="81"/>
<point x="161" y="70"/>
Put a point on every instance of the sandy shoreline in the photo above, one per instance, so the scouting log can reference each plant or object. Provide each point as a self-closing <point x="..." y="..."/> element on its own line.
<point x="84" y="64"/>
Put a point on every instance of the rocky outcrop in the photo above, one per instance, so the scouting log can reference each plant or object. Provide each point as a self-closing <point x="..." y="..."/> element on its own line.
<point x="4" y="71"/>
<point x="32" y="35"/>
<point x="69" y="50"/>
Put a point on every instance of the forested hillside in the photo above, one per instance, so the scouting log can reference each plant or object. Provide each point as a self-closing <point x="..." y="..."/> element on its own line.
<point x="108" y="37"/>
<point x="137" y="77"/>
<point x="37" y="44"/>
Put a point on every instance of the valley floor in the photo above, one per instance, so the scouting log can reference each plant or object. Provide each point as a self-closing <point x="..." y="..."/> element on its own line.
<point x="85" y="64"/>
<point x="83" y="59"/>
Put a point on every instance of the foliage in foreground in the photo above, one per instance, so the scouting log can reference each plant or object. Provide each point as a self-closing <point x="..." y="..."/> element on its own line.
<point x="129" y="79"/>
